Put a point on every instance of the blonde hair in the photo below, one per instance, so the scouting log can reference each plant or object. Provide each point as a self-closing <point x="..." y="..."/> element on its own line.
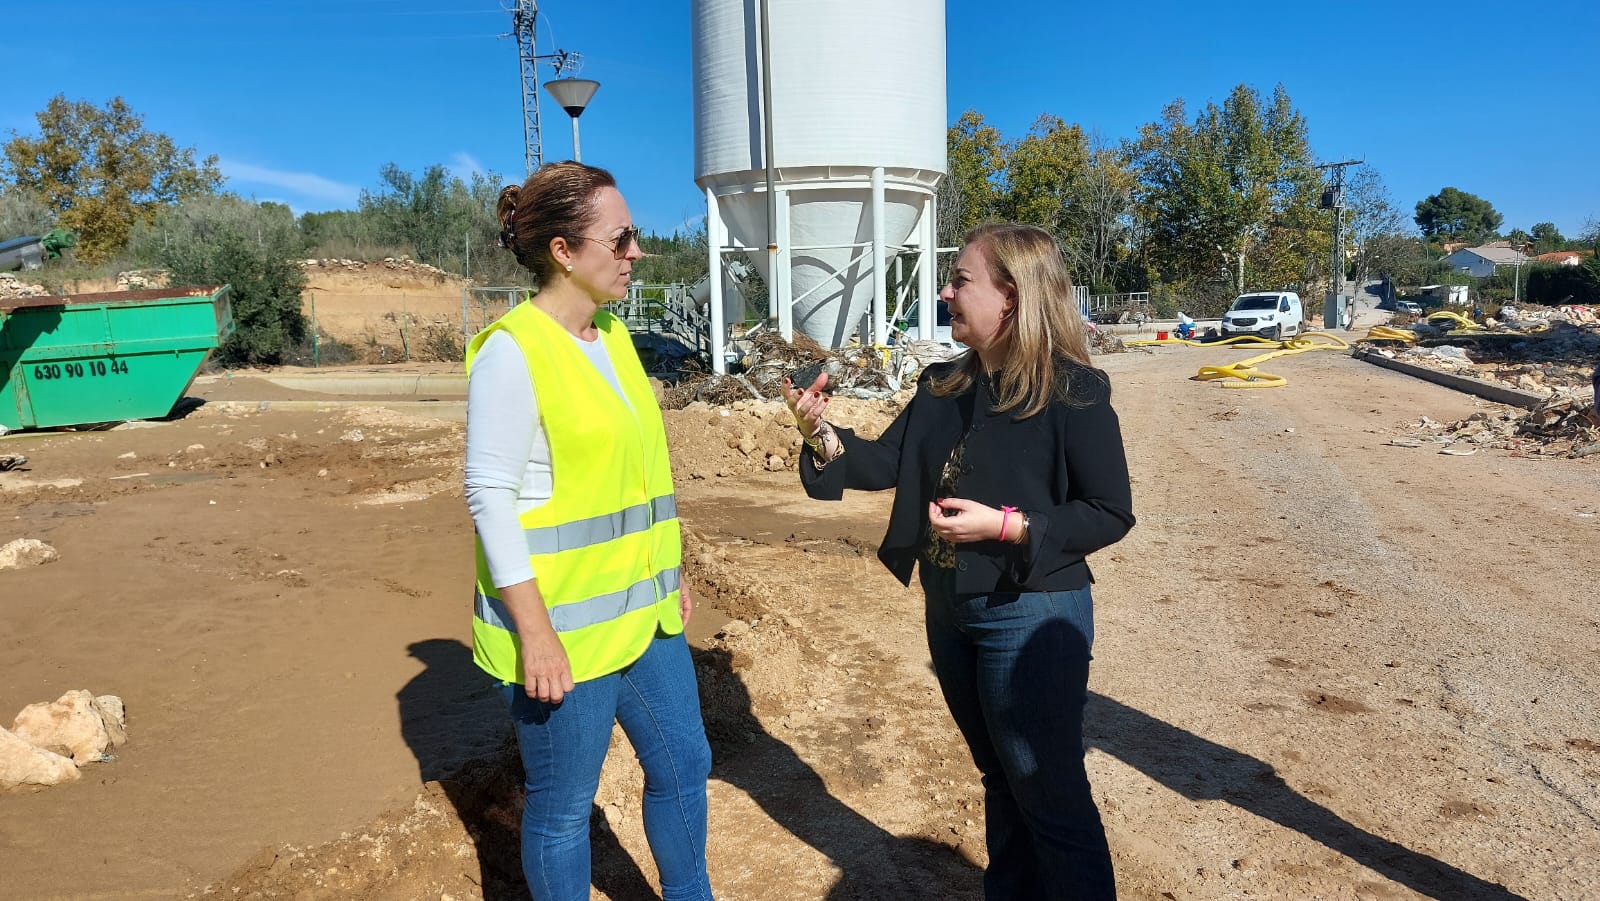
<point x="557" y="201"/>
<point x="1043" y="327"/>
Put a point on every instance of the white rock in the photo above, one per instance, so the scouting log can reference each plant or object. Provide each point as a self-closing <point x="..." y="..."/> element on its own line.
<point x="115" y="715"/>
<point x="23" y="766"/>
<point x="26" y="552"/>
<point x="71" y="726"/>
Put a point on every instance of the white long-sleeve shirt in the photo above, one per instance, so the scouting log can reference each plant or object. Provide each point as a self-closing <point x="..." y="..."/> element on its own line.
<point x="508" y="469"/>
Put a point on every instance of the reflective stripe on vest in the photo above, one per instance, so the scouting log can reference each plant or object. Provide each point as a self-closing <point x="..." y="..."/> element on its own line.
<point x="599" y="529"/>
<point x="582" y="614"/>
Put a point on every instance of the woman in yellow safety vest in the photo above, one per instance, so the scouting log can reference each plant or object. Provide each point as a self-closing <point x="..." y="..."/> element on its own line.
<point x="580" y="603"/>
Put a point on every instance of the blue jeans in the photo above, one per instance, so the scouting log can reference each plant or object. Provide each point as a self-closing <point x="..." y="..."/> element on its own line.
<point x="1014" y="668"/>
<point x="563" y="746"/>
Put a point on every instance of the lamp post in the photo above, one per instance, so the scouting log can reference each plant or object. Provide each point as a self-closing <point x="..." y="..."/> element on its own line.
<point x="573" y="94"/>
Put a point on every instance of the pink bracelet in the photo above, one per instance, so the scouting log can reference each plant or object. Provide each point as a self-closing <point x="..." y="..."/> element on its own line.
<point x="1005" y="517"/>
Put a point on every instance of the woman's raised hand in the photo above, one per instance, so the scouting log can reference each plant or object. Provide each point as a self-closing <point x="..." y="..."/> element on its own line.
<point x="806" y="404"/>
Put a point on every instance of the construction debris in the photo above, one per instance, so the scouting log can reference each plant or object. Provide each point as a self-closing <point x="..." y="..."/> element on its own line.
<point x="1552" y="356"/>
<point x="857" y="372"/>
<point x="1560" y="427"/>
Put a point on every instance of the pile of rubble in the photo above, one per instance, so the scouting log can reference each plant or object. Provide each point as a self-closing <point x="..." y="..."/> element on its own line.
<point x="1560" y="427"/>
<point x="1531" y="318"/>
<point x="1555" y="360"/>
<point x="767" y="359"/>
<point x="1102" y="342"/>
<point x="12" y="287"/>
<point x="863" y="373"/>
<point x="404" y="265"/>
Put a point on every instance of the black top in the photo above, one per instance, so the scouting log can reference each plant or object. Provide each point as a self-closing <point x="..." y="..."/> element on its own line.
<point x="1063" y="466"/>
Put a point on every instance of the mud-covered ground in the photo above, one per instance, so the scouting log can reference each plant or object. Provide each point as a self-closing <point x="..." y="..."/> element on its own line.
<point x="1326" y="666"/>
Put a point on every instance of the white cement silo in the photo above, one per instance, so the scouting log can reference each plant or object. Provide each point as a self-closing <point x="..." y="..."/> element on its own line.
<point x="857" y="126"/>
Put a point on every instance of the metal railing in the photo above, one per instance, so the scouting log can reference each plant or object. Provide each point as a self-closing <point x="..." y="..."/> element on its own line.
<point x="1101" y="303"/>
<point x="666" y="310"/>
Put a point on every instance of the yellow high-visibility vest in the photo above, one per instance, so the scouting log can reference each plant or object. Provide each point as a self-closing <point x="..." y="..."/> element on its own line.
<point x="606" y="549"/>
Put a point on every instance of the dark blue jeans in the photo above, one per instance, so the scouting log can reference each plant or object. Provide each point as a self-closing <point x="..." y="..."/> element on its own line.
<point x="1014" y="668"/>
<point x="563" y="746"/>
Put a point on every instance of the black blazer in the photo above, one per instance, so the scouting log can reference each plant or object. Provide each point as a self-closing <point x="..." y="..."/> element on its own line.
<point x="1064" y="467"/>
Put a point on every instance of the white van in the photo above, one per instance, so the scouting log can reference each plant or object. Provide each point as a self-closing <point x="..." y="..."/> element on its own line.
<point x="1266" y="314"/>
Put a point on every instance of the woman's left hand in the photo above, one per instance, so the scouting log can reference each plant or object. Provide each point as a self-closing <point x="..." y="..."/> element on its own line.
<point x="961" y="521"/>
<point x="685" y="600"/>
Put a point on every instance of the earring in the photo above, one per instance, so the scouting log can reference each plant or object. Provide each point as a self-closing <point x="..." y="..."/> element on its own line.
<point x="569" y="267"/>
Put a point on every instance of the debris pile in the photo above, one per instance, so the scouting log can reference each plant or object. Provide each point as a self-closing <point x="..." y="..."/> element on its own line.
<point x="49" y="742"/>
<point x="855" y="372"/>
<point x="1560" y="427"/>
<point x="1529" y="319"/>
<point x="1102" y="342"/>
<point x="13" y="287"/>
<point x="1555" y="359"/>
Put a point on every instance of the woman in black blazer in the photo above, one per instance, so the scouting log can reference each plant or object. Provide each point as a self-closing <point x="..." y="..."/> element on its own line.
<point x="1008" y="470"/>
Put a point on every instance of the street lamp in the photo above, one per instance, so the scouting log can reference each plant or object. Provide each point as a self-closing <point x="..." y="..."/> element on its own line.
<point x="573" y="94"/>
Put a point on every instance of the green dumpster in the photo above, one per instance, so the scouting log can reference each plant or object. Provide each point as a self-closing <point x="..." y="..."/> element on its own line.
<point x="91" y="358"/>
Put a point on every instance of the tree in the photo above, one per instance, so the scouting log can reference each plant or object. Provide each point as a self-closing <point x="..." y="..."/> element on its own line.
<point x="1552" y="285"/>
<point x="1229" y="199"/>
<point x="1547" y="238"/>
<point x="23" y="214"/>
<point x="101" y="171"/>
<point x="1454" y="214"/>
<point x="253" y="247"/>
<point x="1374" y="227"/>
<point x="1106" y="223"/>
<point x="1043" y="177"/>
<point x="443" y="219"/>
<point x="977" y="161"/>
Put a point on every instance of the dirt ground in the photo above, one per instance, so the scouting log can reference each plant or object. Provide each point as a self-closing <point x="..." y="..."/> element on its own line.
<point x="1326" y="667"/>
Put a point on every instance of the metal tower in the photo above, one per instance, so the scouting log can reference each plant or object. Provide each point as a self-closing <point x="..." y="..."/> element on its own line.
<point x="524" y="14"/>
<point x="1333" y="199"/>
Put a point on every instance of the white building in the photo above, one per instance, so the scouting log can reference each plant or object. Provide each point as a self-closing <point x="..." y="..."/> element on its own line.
<point x="1481" y="262"/>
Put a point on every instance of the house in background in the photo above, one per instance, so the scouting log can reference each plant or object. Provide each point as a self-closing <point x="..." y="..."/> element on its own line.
<point x="1480" y="262"/>
<point x="1565" y="257"/>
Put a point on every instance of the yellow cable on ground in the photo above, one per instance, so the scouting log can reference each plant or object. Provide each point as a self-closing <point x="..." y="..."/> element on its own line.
<point x="1250" y="377"/>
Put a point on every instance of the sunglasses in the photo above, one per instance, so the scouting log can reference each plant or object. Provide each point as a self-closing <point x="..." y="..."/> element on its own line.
<point x="619" y="245"/>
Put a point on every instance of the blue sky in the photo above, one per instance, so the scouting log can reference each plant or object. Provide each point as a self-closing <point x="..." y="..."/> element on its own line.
<point x="304" y="101"/>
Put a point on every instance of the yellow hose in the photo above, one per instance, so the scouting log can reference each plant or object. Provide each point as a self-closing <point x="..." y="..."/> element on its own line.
<point x="1250" y="377"/>
<point x="1461" y="322"/>
<point x="1385" y="333"/>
